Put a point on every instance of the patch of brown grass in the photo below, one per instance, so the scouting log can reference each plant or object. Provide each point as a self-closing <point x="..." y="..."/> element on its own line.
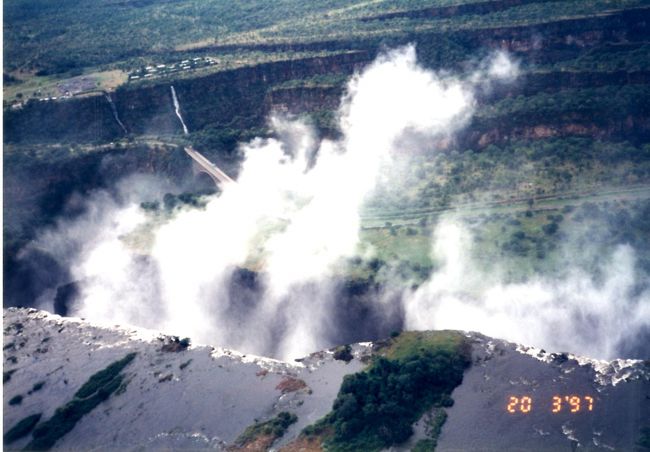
<point x="290" y="384"/>
<point x="261" y="443"/>
<point x="304" y="444"/>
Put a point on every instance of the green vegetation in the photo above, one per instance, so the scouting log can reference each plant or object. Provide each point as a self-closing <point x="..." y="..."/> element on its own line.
<point x="317" y="81"/>
<point x="601" y="105"/>
<point x="274" y="428"/>
<point x="72" y="168"/>
<point x="16" y="400"/>
<point x="6" y="375"/>
<point x="376" y="408"/>
<point x="644" y="439"/>
<point x="104" y="41"/>
<point x="543" y="238"/>
<point x="425" y="445"/>
<point x="630" y="57"/>
<point x="433" y="428"/>
<point x="556" y="238"/>
<point x="410" y="343"/>
<point x="512" y="198"/>
<point x="517" y="170"/>
<point x="343" y="353"/>
<point x="394" y="245"/>
<point x="97" y="389"/>
<point x="352" y="24"/>
<point x="22" y="428"/>
<point x="225" y="139"/>
<point x="172" y="201"/>
<point x="102" y="378"/>
<point x="73" y="36"/>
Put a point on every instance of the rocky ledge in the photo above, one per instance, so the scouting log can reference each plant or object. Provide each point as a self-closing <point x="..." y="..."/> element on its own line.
<point x="72" y="385"/>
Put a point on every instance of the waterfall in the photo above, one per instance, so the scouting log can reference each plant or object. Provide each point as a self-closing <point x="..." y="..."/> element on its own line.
<point x="177" y="109"/>
<point x="114" y="110"/>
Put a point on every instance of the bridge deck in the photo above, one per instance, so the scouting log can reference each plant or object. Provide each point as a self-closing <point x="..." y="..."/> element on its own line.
<point x="213" y="170"/>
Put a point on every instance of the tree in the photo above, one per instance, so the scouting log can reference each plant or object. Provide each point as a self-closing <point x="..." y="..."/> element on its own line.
<point x="550" y="228"/>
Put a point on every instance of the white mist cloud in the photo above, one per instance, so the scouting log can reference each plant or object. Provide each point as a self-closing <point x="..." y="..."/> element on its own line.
<point x="295" y="216"/>
<point x="93" y="250"/>
<point x="313" y="214"/>
<point x="573" y="313"/>
<point x="503" y="67"/>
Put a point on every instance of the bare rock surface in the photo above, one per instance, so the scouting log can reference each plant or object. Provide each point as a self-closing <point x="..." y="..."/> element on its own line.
<point x="480" y="420"/>
<point x="201" y="397"/>
<point x="175" y="396"/>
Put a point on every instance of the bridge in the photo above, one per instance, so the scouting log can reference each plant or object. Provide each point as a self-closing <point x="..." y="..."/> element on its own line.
<point x="203" y="165"/>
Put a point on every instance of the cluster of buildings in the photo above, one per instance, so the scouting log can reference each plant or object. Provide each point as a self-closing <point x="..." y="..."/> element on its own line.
<point x="165" y="69"/>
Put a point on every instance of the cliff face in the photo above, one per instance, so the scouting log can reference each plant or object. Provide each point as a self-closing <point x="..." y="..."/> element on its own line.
<point x="158" y="393"/>
<point x="304" y="99"/>
<point x="76" y="120"/>
<point x="39" y="183"/>
<point x="555" y="81"/>
<point x="492" y="132"/>
<point x="565" y="38"/>
<point x="234" y="98"/>
<point x="240" y="98"/>
<point x="38" y="190"/>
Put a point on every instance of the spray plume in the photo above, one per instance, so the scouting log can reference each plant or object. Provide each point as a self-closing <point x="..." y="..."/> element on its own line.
<point x="572" y="313"/>
<point x="311" y="214"/>
<point x="298" y="220"/>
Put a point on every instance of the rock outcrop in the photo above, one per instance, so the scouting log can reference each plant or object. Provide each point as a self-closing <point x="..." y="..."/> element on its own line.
<point x="201" y="397"/>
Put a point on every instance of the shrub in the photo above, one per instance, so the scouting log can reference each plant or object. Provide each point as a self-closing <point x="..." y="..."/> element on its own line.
<point x="98" y="388"/>
<point x="6" y="376"/>
<point x="66" y="417"/>
<point x="22" y="428"/>
<point x="173" y="344"/>
<point x="275" y="428"/>
<point x="343" y="353"/>
<point x="550" y="228"/>
<point x="185" y="364"/>
<point x="103" y="377"/>
<point x="376" y="408"/>
<point x="425" y="445"/>
<point x="151" y="206"/>
<point x="16" y="400"/>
